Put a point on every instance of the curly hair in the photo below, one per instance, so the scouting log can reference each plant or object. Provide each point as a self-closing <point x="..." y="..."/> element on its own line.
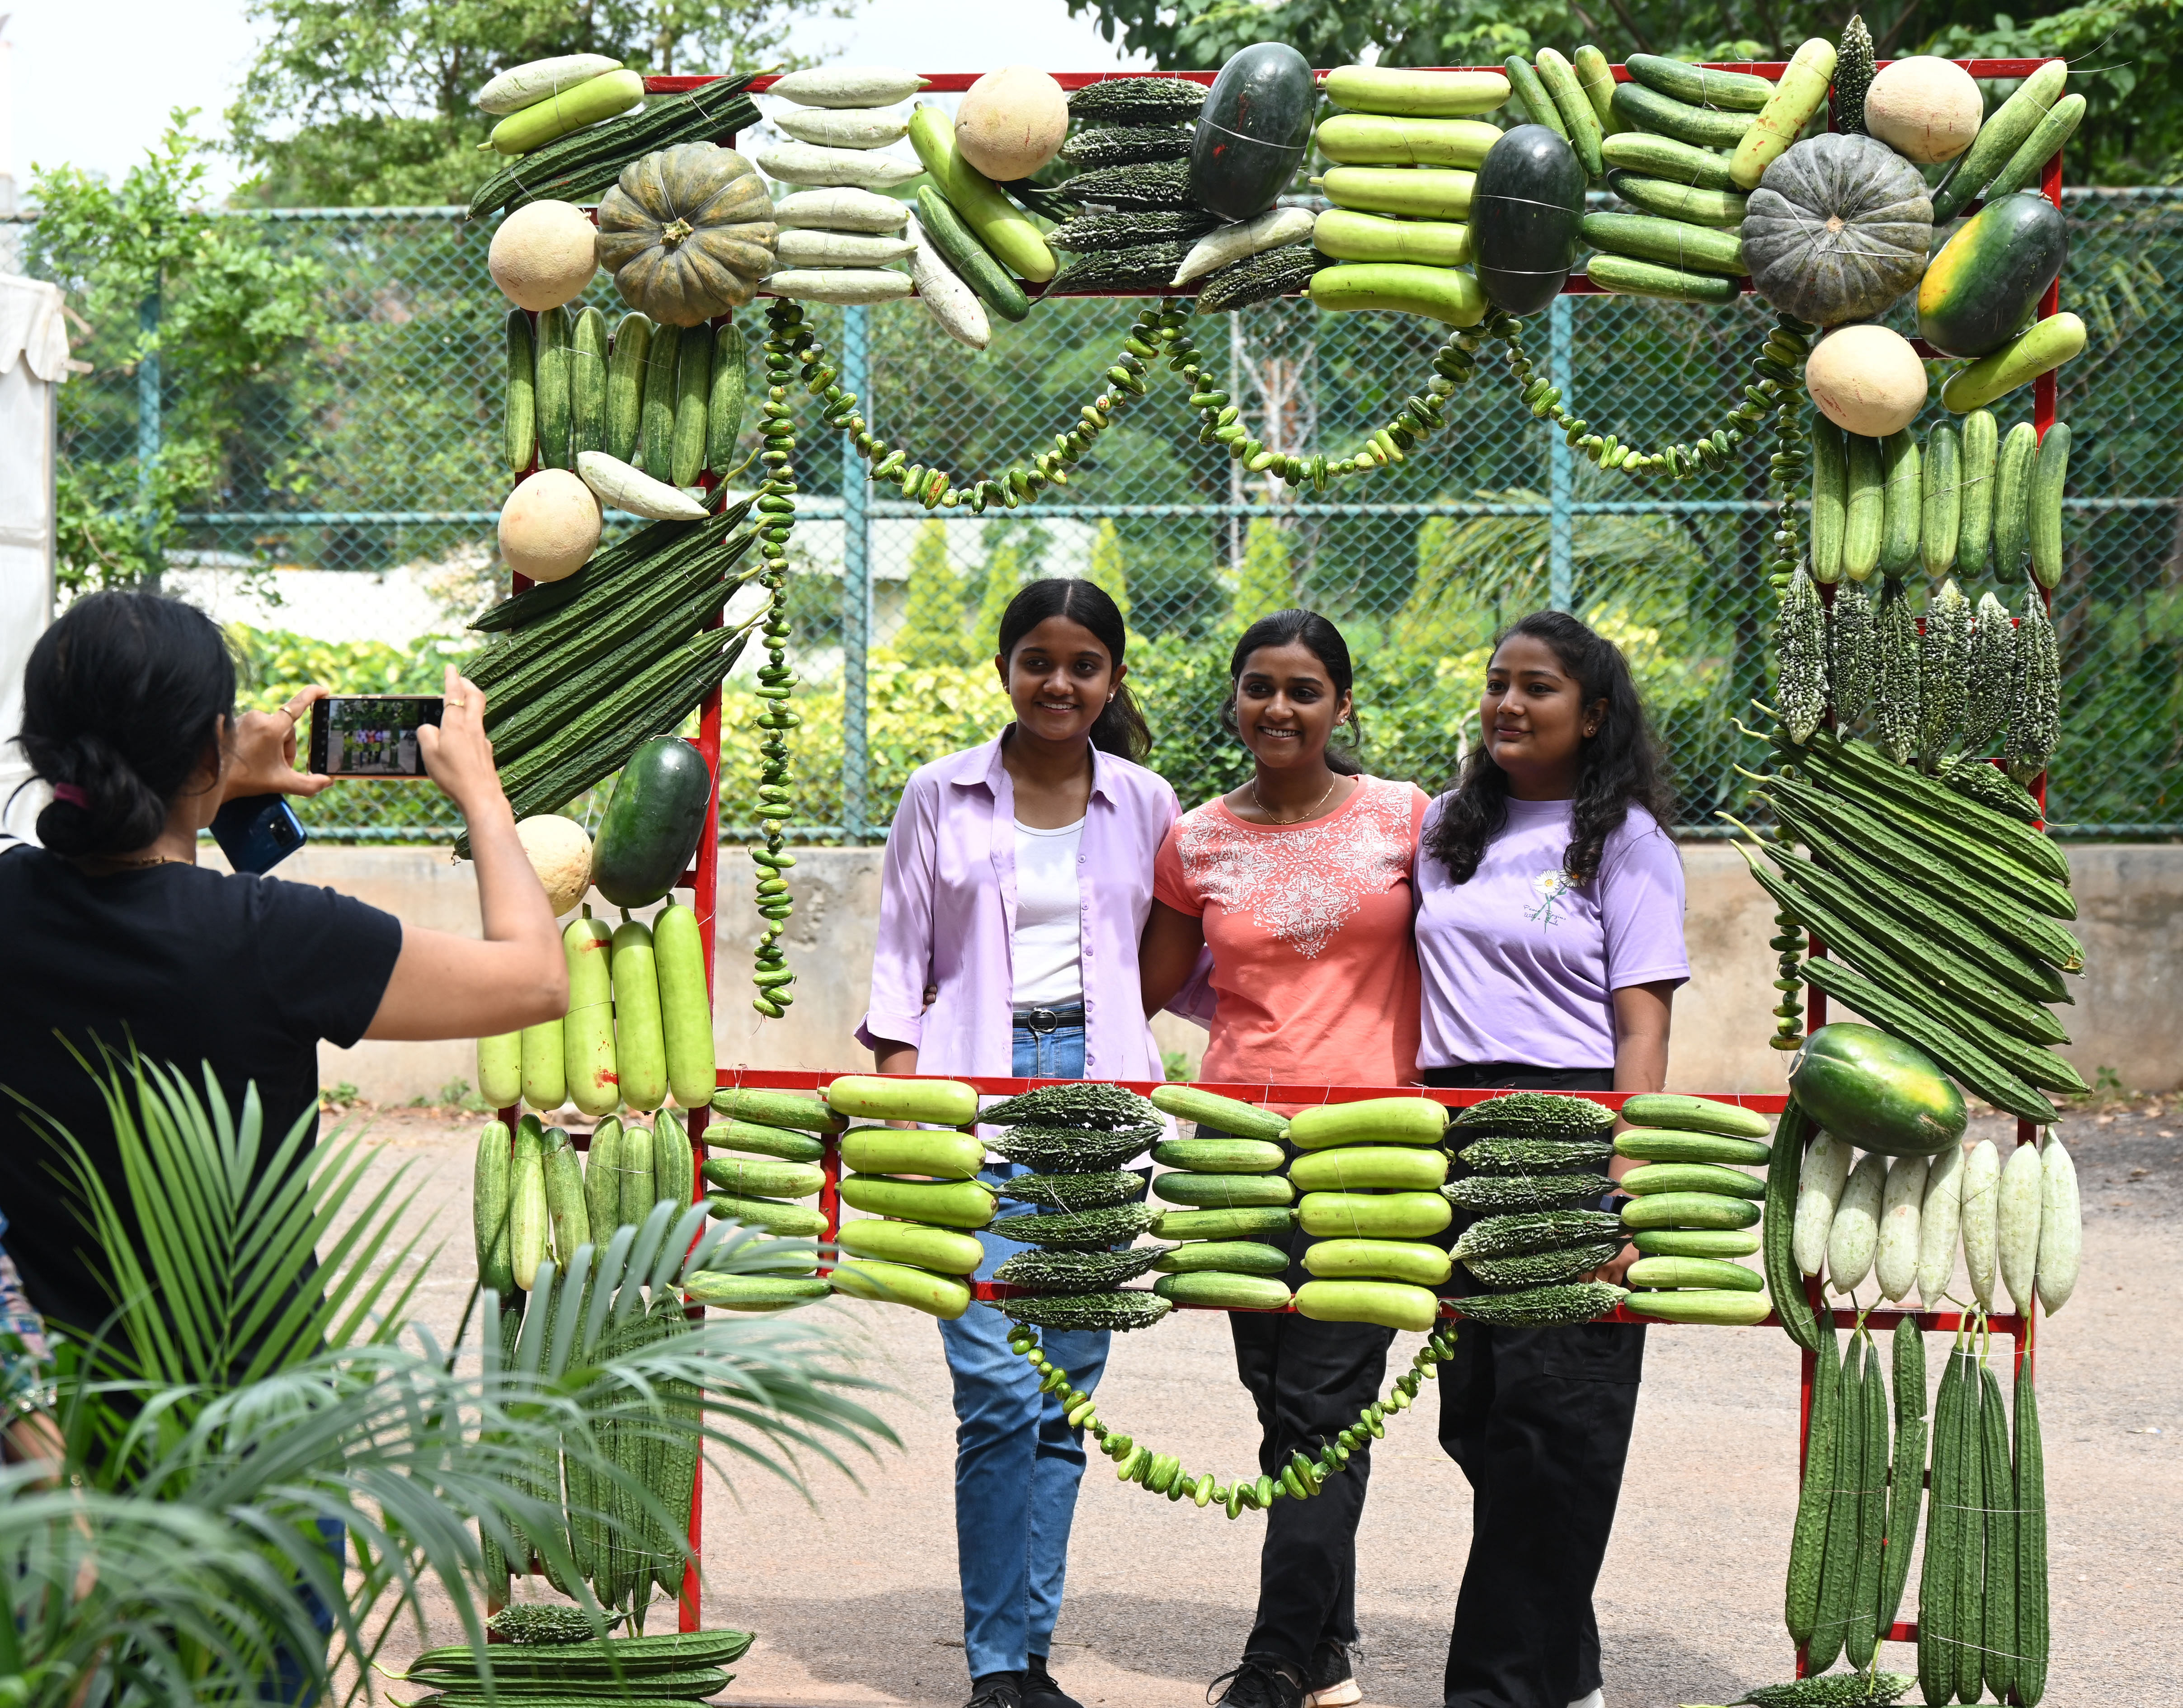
<point x="1619" y="766"/>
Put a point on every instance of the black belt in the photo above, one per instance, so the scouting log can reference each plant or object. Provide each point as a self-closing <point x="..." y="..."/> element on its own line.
<point x="1046" y="1020"/>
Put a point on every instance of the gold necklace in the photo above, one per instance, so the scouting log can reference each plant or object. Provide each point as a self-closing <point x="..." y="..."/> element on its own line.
<point x="1258" y="802"/>
<point x="128" y="862"/>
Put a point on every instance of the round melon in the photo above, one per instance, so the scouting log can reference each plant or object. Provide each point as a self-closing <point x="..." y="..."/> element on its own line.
<point x="542" y="255"/>
<point x="1866" y="380"/>
<point x="1011" y="122"/>
<point x="1877" y="1093"/>
<point x="561" y="854"/>
<point x="549" y="526"/>
<point x="1925" y="109"/>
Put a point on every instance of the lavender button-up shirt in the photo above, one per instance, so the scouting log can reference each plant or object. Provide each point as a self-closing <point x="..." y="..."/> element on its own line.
<point x="947" y="914"/>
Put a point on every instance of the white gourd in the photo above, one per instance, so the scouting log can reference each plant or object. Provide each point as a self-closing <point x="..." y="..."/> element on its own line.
<point x="805" y="163"/>
<point x="807" y="248"/>
<point x="1897" y="1263"/>
<point x="1819" y="1190"/>
<point x="527" y="85"/>
<point x="850" y="285"/>
<point x="848" y="85"/>
<point x="839" y="210"/>
<point x="844" y="127"/>
<point x="614" y="482"/>
<point x="951" y="302"/>
<point x="2061" y="1225"/>
<point x="1939" y="1226"/>
<point x="2018" y="1245"/>
<point x="1233" y="243"/>
<point x="1981" y="1217"/>
<point x="1855" y="1238"/>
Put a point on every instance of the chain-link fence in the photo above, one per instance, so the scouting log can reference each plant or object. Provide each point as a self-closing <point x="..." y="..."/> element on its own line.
<point x="376" y="458"/>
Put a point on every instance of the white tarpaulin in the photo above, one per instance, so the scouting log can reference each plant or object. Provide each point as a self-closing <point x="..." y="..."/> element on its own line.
<point x="33" y="360"/>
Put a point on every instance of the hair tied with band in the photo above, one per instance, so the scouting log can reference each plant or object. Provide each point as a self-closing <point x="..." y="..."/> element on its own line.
<point x="69" y="795"/>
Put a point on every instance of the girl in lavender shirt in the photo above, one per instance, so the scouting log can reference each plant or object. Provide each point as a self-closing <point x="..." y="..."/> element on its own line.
<point x="1550" y="937"/>
<point x="1017" y="882"/>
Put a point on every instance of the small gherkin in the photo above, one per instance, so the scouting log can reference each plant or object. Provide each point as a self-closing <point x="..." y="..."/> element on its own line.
<point x="2034" y="714"/>
<point x="1992" y="675"/>
<point x="1896" y="637"/>
<point x="1852" y="654"/>
<point x="1800" y="645"/>
<point x="1944" y="668"/>
<point x="1854" y="69"/>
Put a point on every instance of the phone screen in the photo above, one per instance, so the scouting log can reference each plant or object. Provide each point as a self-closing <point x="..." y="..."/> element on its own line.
<point x="370" y="735"/>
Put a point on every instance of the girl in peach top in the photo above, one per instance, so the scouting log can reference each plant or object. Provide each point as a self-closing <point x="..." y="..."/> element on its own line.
<point x="1299" y="882"/>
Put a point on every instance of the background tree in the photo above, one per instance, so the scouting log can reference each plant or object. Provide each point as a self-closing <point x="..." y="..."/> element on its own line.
<point x="359" y="103"/>
<point x="2127" y="55"/>
<point x="931" y="631"/>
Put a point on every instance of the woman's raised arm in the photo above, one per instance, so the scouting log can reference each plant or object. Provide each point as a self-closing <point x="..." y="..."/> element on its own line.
<point x="445" y="986"/>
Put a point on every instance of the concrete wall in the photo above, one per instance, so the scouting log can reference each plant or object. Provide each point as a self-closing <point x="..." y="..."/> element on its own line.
<point x="2130" y="897"/>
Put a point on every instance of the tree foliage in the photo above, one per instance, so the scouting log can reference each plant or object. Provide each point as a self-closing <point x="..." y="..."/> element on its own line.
<point x="358" y="103"/>
<point x="2127" y="55"/>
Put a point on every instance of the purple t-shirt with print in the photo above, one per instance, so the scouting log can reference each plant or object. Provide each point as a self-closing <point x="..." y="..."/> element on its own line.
<point x="1521" y="965"/>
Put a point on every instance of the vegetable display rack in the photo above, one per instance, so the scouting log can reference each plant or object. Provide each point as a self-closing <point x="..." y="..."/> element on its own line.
<point x="702" y="880"/>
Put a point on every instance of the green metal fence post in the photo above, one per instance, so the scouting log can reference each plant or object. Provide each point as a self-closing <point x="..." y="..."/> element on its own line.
<point x="856" y="586"/>
<point x="1561" y="463"/>
<point x="148" y="431"/>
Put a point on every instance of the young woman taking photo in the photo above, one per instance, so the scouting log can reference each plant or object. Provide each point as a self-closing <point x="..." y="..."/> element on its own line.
<point x="1550" y="936"/>
<point x="1017" y="879"/>
<point x="1300" y="882"/>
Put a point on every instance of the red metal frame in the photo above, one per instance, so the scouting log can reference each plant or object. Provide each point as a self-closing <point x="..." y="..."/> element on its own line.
<point x="703" y="878"/>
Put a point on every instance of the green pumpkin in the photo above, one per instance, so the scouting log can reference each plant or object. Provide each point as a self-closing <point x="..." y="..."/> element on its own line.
<point x="1838" y="228"/>
<point x="687" y="232"/>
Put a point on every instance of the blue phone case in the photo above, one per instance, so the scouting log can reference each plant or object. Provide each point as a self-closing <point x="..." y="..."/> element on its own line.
<point x="257" y="832"/>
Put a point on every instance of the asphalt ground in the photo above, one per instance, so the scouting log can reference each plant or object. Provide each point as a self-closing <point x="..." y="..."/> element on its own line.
<point x="851" y="1585"/>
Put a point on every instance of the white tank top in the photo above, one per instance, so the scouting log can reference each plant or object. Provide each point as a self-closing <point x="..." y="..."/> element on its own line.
<point x="1047" y="951"/>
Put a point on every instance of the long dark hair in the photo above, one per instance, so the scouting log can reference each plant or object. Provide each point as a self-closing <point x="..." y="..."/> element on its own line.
<point x="1120" y="729"/>
<point x="1621" y="763"/>
<point x="1306" y="629"/>
<point x="122" y="702"/>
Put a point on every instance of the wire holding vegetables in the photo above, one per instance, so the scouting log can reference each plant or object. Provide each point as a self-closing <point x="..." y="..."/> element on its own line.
<point x="1161" y="1473"/>
<point x="776" y="511"/>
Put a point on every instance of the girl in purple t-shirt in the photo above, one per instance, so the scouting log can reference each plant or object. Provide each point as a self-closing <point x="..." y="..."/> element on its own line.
<point x="1550" y="937"/>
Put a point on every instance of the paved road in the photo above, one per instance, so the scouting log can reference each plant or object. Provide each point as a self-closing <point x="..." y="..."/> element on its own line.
<point x="851" y="1592"/>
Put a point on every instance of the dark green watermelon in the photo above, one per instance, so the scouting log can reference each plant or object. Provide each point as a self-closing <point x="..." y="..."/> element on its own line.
<point x="1253" y="130"/>
<point x="1989" y="277"/>
<point x="653" y="821"/>
<point x="1876" y="1091"/>
<point x="1523" y="215"/>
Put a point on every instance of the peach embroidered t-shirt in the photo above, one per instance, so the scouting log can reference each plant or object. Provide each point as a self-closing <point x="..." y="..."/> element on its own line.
<point x="1314" y="970"/>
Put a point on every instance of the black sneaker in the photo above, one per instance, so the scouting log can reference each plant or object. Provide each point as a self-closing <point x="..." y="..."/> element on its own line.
<point x="1038" y="1689"/>
<point x="997" y="1690"/>
<point x="1332" y="1683"/>
<point x="1263" y="1681"/>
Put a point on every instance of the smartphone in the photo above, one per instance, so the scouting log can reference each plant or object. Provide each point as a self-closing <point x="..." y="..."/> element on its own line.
<point x="370" y="735"/>
<point x="257" y="831"/>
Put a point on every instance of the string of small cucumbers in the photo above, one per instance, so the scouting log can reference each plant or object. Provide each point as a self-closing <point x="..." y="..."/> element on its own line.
<point x="1161" y="1473"/>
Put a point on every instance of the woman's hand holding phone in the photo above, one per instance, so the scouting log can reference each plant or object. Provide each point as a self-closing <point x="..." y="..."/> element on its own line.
<point x="457" y="755"/>
<point x="262" y="760"/>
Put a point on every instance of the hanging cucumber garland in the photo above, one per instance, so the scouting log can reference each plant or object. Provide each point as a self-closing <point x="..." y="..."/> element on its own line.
<point x="777" y="507"/>
<point x="1161" y="1473"/>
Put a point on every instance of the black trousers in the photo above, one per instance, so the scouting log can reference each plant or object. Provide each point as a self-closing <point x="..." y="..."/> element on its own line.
<point x="1309" y="1381"/>
<point x="1539" y="1419"/>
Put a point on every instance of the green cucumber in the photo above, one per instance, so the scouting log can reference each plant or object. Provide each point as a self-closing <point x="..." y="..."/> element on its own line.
<point x="1982" y="445"/>
<point x="1218" y="1155"/>
<point x="1695" y="85"/>
<point x="1671" y="1272"/>
<point x="1671" y="242"/>
<point x="761" y="1177"/>
<point x="519" y="419"/>
<point x="1208" y="1109"/>
<point x="1222" y="1224"/>
<point x="2015" y="470"/>
<point x="625" y="365"/>
<point x="786" y="1221"/>
<point x="657" y="435"/>
<point x="1237" y="1256"/>
<point x="1531" y="94"/>
<point x="1697" y="1241"/>
<point x="1701" y="127"/>
<point x="491" y="1192"/>
<point x="1654" y="1177"/>
<point x="1224" y="1290"/>
<point x="2050" y="473"/>
<point x="796" y="1110"/>
<point x="1941" y="526"/>
<point x="2005" y="131"/>
<point x="1577" y="119"/>
<point x="551" y="367"/>
<point x="958" y="244"/>
<point x="1665" y="1144"/>
<point x="693" y="386"/>
<point x="1681" y="1114"/>
<point x="602" y="1179"/>
<point x="1223" y="1191"/>
<point x="1689" y="1210"/>
<point x="636" y="1193"/>
<point x="587" y="384"/>
<point x="723" y="409"/>
<point x="1692" y="204"/>
<point x="1629" y="278"/>
<point x="1829" y="500"/>
<point x="527" y="1225"/>
<point x="1902" y="503"/>
<point x="763" y="1141"/>
<point x="1864" y="508"/>
<point x="1663" y="156"/>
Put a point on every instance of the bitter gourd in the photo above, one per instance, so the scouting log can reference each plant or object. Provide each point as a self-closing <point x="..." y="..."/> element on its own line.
<point x="1116" y="1312"/>
<point x="2035" y="713"/>
<point x="1992" y="787"/>
<point x="1896" y="637"/>
<point x="1854" y="61"/>
<point x="1544" y="1307"/>
<point x="1076" y="1271"/>
<point x="1138" y="100"/>
<point x="1944" y="669"/>
<point x="1539" y="1230"/>
<point x="1088" y="233"/>
<point x="1082" y="1103"/>
<point x="1498" y="1194"/>
<point x="1145" y="267"/>
<point x="1090" y="1230"/>
<point x="1991" y="675"/>
<point x="1532" y="1155"/>
<point x="1542" y="1268"/>
<point x="1853" y="652"/>
<point x="1162" y="183"/>
<point x="1074" y="1191"/>
<point x="1126" y="145"/>
<point x="1536" y="1115"/>
<point x="1800" y="646"/>
<point x="1260" y="278"/>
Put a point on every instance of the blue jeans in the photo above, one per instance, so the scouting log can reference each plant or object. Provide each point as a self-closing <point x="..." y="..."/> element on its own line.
<point x="1017" y="1461"/>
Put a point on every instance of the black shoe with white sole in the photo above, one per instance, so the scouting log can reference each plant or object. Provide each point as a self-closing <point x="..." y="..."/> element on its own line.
<point x="1263" y="1681"/>
<point x="1332" y="1683"/>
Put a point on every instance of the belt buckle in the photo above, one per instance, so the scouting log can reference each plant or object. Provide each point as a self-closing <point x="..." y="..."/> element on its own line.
<point x="1041" y="1021"/>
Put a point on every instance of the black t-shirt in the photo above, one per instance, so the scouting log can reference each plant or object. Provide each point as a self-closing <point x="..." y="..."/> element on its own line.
<point x="191" y="967"/>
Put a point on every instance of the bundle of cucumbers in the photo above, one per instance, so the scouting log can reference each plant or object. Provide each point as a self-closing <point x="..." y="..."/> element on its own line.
<point x="1692" y="1209"/>
<point x="1236" y="1227"/>
<point x="1531" y="1194"/>
<point x="1085" y="1210"/>
<point x="770" y="1151"/>
<point x="1938" y="912"/>
<point x="1369" y="1174"/>
<point x="537" y="1202"/>
<point x="678" y="1667"/>
<point x="1405" y="152"/>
